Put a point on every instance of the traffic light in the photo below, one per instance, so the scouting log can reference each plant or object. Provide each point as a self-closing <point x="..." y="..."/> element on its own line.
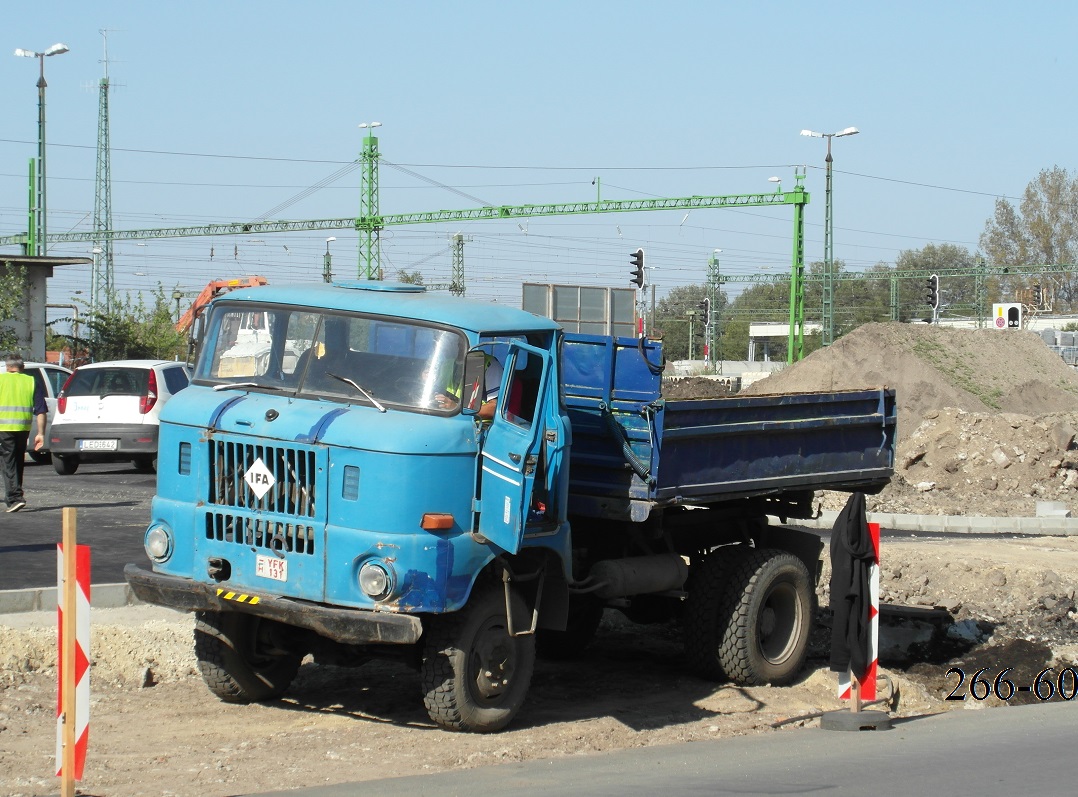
<point x="1037" y="295"/>
<point x="636" y="259"/>
<point x="932" y="291"/>
<point x="705" y="312"/>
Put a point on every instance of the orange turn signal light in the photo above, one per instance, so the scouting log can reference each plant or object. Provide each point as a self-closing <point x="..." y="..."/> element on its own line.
<point x="437" y="521"/>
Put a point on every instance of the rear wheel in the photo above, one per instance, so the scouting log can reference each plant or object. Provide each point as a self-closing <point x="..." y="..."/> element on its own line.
<point x="475" y="675"/>
<point x="241" y="658"/>
<point x="65" y="465"/>
<point x="748" y="616"/>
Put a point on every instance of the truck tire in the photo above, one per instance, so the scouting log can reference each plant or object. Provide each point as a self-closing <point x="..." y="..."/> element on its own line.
<point x="585" y="614"/>
<point x="237" y="659"/>
<point x="475" y="675"/>
<point x="65" y="465"/>
<point x="748" y="617"/>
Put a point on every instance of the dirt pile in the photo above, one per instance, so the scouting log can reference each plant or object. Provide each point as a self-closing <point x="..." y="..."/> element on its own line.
<point x="986" y="419"/>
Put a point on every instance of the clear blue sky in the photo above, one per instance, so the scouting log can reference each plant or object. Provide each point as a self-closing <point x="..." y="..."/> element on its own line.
<point x="223" y="111"/>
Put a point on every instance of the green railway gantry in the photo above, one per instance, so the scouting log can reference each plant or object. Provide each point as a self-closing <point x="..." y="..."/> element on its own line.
<point x="370" y="223"/>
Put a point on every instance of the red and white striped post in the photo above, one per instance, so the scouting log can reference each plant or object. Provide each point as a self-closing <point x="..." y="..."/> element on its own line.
<point x="850" y="688"/>
<point x="73" y="616"/>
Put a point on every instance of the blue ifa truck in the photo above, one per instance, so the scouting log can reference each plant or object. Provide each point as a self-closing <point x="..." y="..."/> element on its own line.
<point x="367" y="469"/>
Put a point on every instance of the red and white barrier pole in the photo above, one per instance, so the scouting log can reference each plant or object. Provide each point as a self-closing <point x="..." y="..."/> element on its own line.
<point x="850" y="688"/>
<point x="73" y="615"/>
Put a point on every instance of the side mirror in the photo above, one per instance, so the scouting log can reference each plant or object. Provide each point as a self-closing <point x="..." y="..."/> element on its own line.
<point x="475" y="366"/>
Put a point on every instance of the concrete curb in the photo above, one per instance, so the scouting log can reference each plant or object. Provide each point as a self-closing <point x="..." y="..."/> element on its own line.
<point x="43" y="599"/>
<point x="1027" y="526"/>
<point x="112" y="596"/>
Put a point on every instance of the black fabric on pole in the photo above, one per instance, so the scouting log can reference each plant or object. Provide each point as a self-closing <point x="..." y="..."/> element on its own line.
<point x="852" y="555"/>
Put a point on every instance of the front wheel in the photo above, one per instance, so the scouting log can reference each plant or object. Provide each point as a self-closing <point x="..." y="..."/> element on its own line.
<point x="474" y="674"/>
<point x="65" y="465"/>
<point x="748" y="617"/>
<point x="241" y="658"/>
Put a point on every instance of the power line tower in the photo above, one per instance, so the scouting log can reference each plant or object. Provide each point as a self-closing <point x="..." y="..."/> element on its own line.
<point x="101" y="280"/>
<point x="369" y="223"/>
<point x="456" y="280"/>
<point x="713" y="294"/>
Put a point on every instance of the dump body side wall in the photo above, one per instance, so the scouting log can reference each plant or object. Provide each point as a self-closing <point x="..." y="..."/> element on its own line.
<point x="633" y="451"/>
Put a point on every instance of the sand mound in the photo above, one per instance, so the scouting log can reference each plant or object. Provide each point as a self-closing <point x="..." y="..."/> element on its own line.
<point x="932" y="368"/>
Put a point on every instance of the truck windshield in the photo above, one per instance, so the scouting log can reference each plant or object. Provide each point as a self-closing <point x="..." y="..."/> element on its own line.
<point x="360" y="359"/>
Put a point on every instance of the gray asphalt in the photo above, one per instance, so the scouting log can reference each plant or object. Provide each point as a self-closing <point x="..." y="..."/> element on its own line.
<point x="113" y="508"/>
<point x="1000" y="752"/>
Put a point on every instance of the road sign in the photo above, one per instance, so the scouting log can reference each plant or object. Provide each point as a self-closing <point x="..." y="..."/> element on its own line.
<point x="1007" y="315"/>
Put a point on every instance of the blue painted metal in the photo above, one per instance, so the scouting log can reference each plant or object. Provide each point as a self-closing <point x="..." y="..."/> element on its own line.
<point x="709" y="451"/>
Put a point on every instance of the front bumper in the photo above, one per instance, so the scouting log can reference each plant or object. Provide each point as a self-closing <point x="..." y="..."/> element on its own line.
<point x="349" y="626"/>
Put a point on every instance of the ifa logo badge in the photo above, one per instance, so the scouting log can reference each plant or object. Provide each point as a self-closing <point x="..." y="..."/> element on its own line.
<point x="259" y="478"/>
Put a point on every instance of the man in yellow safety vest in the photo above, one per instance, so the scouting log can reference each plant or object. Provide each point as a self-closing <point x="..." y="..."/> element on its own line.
<point x="20" y="405"/>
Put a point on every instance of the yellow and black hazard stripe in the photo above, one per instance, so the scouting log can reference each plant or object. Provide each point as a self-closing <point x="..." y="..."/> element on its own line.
<point x="238" y="597"/>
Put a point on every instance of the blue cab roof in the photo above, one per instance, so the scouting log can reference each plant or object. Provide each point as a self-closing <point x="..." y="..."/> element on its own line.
<point x="411" y="302"/>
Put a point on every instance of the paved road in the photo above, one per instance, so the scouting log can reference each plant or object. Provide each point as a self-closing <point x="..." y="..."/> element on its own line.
<point x="995" y="752"/>
<point x="113" y="503"/>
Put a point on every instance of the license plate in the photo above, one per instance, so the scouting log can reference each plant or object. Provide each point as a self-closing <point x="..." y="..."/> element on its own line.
<point x="271" y="567"/>
<point x="97" y="445"/>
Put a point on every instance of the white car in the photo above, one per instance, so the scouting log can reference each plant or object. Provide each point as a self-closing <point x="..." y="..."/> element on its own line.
<point x="110" y="412"/>
<point x="49" y="378"/>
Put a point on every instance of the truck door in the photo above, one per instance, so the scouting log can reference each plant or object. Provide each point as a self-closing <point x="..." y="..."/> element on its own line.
<point x="510" y="450"/>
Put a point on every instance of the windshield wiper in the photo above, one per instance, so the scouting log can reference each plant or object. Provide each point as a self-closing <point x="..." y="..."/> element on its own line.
<point x="228" y="385"/>
<point x="367" y="395"/>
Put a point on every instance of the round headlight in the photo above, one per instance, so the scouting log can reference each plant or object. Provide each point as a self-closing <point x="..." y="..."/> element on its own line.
<point x="158" y="543"/>
<point x="375" y="580"/>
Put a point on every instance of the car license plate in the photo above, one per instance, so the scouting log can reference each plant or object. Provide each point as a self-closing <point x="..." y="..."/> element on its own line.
<point x="97" y="445"/>
<point x="271" y="567"/>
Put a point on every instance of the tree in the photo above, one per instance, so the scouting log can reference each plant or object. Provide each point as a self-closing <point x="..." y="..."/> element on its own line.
<point x="12" y="298"/>
<point x="1043" y="230"/>
<point x="672" y="320"/>
<point x="957" y="293"/>
<point x="132" y="330"/>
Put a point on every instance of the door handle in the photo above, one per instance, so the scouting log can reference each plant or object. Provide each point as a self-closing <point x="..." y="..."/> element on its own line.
<point x="514" y="457"/>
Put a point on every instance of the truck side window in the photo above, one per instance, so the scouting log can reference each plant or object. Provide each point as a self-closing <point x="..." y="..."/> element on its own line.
<point x="523" y="389"/>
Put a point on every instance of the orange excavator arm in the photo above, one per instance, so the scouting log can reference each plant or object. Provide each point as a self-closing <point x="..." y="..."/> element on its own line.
<point x="209" y="293"/>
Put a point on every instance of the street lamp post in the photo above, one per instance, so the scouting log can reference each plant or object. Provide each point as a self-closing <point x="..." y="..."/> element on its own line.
<point x="327" y="271"/>
<point x="828" y="242"/>
<point x="39" y="209"/>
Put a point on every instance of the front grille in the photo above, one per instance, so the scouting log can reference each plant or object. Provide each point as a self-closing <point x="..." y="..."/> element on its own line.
<point x="260" y="533"/>
<point x="294" y="478"/>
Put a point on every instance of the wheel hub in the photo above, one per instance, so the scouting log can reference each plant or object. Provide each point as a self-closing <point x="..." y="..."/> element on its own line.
<point x="492" y="662"/>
